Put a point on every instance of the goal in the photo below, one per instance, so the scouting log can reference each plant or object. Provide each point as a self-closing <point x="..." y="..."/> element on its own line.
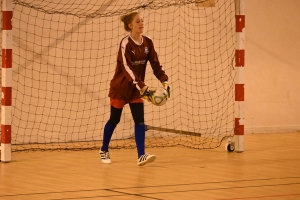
<point x="64" y="56"/>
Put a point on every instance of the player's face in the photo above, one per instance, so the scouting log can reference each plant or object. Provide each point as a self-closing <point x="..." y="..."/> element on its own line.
<point x="137" y="24"/>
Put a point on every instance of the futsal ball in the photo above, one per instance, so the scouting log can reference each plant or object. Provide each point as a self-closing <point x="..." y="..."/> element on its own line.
<point x="159" y="97"/>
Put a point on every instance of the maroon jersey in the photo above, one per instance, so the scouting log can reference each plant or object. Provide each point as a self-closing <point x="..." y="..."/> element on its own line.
<point x="131" y="67"/>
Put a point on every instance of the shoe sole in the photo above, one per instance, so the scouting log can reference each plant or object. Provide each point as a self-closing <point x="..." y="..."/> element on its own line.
<point x="105" y="162"/>
<point x="150" y="160"/>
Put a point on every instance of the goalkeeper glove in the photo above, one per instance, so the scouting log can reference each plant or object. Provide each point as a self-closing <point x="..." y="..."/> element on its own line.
<point x="147" y="92"/>
<point x="166" y="87"/>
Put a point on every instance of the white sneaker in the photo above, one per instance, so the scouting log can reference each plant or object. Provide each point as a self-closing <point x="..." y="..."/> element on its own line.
<point x="145" y="159"/>
<point x="105" y="157"/>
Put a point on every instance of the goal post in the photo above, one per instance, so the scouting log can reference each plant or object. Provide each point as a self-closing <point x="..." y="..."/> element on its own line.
<point x="65" y="55"/>
<point x="6" y="103"/>
<point x="240" y="76"/>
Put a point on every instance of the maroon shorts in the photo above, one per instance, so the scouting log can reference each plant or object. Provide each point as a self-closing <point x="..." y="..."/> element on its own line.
<point x="117" y="103"/>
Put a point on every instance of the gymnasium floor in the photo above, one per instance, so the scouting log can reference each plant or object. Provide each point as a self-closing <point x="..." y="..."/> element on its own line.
<point x="268" y="169"/>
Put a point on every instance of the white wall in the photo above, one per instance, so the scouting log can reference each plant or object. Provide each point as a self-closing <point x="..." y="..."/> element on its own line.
<point x="272" y="89"/>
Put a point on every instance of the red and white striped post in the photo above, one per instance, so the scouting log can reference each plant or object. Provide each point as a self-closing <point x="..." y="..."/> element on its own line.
<point x="239" y="76"/>
<point x="7" y="14"/>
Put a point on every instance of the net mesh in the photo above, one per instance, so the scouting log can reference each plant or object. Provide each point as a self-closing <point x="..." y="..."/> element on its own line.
<point x="64" y="56"/>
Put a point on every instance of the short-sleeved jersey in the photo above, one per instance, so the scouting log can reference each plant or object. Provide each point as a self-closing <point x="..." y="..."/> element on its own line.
<point x="131" y="68"/>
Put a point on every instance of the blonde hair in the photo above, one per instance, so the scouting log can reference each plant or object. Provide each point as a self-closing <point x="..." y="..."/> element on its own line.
<point x="127" y="19"/>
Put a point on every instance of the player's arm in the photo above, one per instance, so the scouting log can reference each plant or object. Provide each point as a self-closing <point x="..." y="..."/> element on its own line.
<point x="125" y="59"/>
<point x="155" y="64"/>
<point x="158" y="69"/>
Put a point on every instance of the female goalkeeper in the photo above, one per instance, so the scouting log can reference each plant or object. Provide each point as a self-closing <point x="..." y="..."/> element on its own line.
<point x="127" y="85"/>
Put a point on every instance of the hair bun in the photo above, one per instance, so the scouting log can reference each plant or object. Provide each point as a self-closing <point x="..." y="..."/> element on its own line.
<point x="122" y="18"/>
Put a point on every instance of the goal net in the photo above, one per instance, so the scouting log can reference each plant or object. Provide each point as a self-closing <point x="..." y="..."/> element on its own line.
<point x="64" y="56"/>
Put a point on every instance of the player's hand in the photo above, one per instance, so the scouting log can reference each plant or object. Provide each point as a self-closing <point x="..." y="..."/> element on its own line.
<point x="147" y="92"/>
<point x="166" y="87"/>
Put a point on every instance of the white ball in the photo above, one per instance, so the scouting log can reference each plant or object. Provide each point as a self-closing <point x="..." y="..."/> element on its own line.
<point x="159" y="97"/>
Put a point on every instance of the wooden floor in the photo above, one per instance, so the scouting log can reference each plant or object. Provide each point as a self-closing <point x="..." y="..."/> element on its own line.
<point x="268" y="169"/>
